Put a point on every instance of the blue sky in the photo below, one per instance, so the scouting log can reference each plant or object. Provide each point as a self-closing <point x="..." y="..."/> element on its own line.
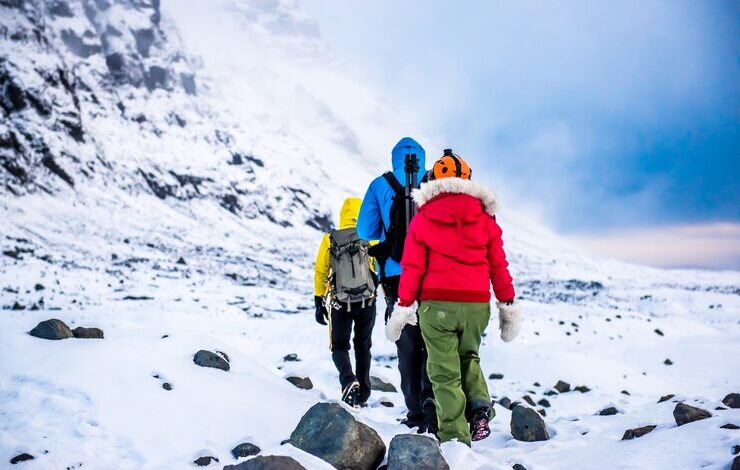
<point x="607" y="117"/>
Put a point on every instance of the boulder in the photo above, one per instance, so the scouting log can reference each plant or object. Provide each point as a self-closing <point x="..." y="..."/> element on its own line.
<point x="496" y="376"/>
<point x="268" y="462"/>
<point x="518" y="466"/>
<point x="582" y="389"/>
<point x="331" y="433"/>
<point x="215" y="360"/>
<point x="88" y="333"/>
<point x="684" y="414"/>
<point x="668" y="362"/>
<point x="505" y="402"/>
<point x="414" y="451"/>
<point x="736" y="463"/>
<point x="292" y="357"/>
<point x="21" y="458"/>
<point x="732" y="400"/>
<point x="381" y="385"/>
<point x="666" y="397"/>
<point x="205" y="461"/>
<point x="562" y="387"/>
<point x="245" y="449"/>
<point x="527" y="425"/>
<point x="52" y="329"/>
<point x="167" y="386"/>
<point x="529" y="400"/>
<point x="610" y="411"/>
<point x="730" y="426"/>
<point x="304" y="383"/>
<point x="637" y="432"/>
<point x="544" y="402"/>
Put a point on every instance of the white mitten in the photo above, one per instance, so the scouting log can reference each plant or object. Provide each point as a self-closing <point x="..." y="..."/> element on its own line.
<point x="400" y="317"/>
<point x="509" y="321"/>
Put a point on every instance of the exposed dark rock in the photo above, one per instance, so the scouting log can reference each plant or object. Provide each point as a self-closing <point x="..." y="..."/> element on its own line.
<point x="230" y="202"/>
<point x="527" y="425"/>
<point x="245" y="449"/>
<point x="518" y="466"/>
<point x="658" y="332"/>
<point x="292" y="357"/>
<point x="322" y="222"/>
<point x="529" y="400"/>
<point x="730" y="426"/>
<point x="78" y="45"/>
<point x="54" y="167"/>
<point x="205" y="358"/>
<point x="550" y="393"/>
<point x="21" y="458"/>
<point x="387" y="404"/>
<point x="542" y="412"/>
<point x="381" y="385"/>
<point x="610" y="411"/>
<point x="736" y="450"/>
<point x="495" y="376"/>
<point x="204" y="461"/>
<point x="685" y="414"/>
<point x="52" y="329"/>
<point x="666" y="398"/>
<point x="505" y="402"/>
<point x="562" y="387"/>
<point x="156" y="77"/>
<point x="38" y="287"/>
<point x="413" y="451"/>
<point x="60" y="8"/>
<point x="732" y="400"/>
<point x="17" y="306"/>
<point x="668" y="362"/>
<point x="582" y="389"/>
<point x="331" y="433"/>
<point x="181" y="260"/>
<point x="187" y="80"/>
<point x="144" y="39"/>
<point x="269" y="462"/>
<point x="637" y="432"/>
<point x="625" y="392"/>
<point x="88" y="333"/>
<point x="735" y="463"/>
<point x="167" y="386"/>
<point x="544" y="402"/>
<point x="304" y="383"/>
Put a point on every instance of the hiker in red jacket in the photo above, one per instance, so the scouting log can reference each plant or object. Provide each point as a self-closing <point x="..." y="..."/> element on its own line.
<point x="452" y="255"/>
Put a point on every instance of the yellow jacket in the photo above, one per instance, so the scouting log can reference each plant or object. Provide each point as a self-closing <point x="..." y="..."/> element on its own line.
<point x="347" y="218"/>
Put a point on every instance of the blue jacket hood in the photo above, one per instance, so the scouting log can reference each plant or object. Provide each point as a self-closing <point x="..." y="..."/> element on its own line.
<point x="403" y="147"/>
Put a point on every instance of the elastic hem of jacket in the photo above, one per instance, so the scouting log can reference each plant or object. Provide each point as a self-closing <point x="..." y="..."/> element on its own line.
<point x="454" y="295"/>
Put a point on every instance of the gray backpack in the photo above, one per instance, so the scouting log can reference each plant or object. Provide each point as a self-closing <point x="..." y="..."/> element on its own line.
<point x="350" y="264"/>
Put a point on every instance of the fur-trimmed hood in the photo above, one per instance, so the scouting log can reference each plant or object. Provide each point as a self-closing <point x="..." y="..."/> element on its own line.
<point x="434" y="188"/>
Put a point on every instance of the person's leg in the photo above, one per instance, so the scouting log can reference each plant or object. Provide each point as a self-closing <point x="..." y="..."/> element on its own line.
<point x="473" y="323"/>
<point x="364" y="323"/>
<point x="439" y="325"/>
<point x="390" y="292"/>
<point x="341" y="328"/>
<point x="409" y="357"/>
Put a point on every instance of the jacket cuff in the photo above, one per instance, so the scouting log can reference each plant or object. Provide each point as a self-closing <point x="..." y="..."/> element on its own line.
<point x="404" y="302"/>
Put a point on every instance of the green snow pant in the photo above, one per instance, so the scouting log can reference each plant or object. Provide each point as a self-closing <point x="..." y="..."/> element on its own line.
<point x="452" y="332"/>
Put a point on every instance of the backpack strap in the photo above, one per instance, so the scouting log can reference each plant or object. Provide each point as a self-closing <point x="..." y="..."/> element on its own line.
<point x="393" y="181"/>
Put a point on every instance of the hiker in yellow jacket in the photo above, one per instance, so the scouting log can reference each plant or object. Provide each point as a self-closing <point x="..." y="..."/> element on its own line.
<point x="344" y="274"/>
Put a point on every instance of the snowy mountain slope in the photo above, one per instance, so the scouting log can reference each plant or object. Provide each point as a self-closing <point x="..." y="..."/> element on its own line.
<point x="159" y="177"/>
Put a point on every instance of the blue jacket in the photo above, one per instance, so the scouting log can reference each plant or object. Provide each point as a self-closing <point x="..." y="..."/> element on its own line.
<point x="376" y="205"/>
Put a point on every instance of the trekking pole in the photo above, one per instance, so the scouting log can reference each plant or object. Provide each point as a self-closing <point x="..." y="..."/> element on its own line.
<point x="411" y="167"/>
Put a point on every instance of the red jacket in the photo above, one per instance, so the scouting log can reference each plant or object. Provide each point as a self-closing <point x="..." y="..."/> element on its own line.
<point x="454" y="251"/>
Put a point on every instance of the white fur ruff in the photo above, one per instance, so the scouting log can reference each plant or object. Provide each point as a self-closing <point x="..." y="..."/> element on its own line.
<point x="400" y="317"/>
<point x="509" y="321"/>
<point x="434" y="188"/>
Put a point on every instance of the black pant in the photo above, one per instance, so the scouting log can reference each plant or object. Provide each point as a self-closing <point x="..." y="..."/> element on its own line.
<point x="412" y="358"/>
<point x="341" y="329"/>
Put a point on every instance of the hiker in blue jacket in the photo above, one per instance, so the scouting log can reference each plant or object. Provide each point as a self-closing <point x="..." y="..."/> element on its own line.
<point x="372" y="223"/>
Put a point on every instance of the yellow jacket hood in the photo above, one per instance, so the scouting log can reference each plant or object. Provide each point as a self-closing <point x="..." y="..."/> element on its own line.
<point x="349" y="212"/>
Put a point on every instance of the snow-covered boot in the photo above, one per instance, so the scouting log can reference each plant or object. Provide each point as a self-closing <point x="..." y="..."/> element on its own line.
<point x="479" y="429"/>
<point x="351" y="394"/>
<point x="429" y="408"/>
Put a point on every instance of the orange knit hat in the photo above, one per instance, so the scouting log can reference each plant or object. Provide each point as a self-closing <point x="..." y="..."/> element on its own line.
<point x="450" y="166"/>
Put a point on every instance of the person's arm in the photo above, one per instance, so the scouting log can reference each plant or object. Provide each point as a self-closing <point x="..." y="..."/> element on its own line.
<point x="321" y="268"/>
<point x="413" y="266"/>
<point x="503" y="286"/>
<point x="369" y="220"/>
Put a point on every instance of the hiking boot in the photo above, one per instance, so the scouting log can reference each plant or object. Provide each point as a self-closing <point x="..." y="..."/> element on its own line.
<point x="430" y="416"/>
<point x="479" y="429"/>
<point x="351" y="394"/>
<point x="415" y="422"/>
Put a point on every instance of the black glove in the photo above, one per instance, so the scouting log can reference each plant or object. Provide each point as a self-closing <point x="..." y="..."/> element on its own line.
<point x="321" y="313"/>
<point x="388" y="309"/>
<point x="376" y="282"/>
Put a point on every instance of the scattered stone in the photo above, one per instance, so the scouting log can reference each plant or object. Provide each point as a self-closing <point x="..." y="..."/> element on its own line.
<point x="527" y="425"/>
<point x="204" y="461"/>
<point x="245" y="449"/>
<point x="39" y="287"/>
<point x="518" y="466"/>
<point x="625" y="392"/>
<point x="529" y="400"/>
<point x="562" y="387"/>
<point x="610" y="411"/>
<point x="732" y="400"/>
<point x="495" y="376"/>
<point x="730" y="426"/>
<point x="268" y="462"/>
<point x="544" y="402"/>
<point x="542" y="412"/>
<point x="304" y="383"/>
<point x="668" y="362"/>
<point x="666" y="398"/>
<point x="413" y="451"/>
<point x="387" y="404"/>
<point x="292" y="357"/>
<point x="205" y="358"/>
<point x="331" y="433"/>
<point x="167" y="386"/>
<point x="685" y="414"/>
<point x="550" y="393"/>
<point x="88" y="333"/>
<point x="505" y="402"/>
<point x="582" y="389"/>
<point x="182" y="261"/>
<point x="17" y="306"/>
<point x="658" y="332"/>
<point x="736" y="450"/>
<point x="637" y="432"/>
<point x="21" y="458"/>
<point x="381" y="385"/>
<point x="52" y="329"/>
<point x="164" y="336"/>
